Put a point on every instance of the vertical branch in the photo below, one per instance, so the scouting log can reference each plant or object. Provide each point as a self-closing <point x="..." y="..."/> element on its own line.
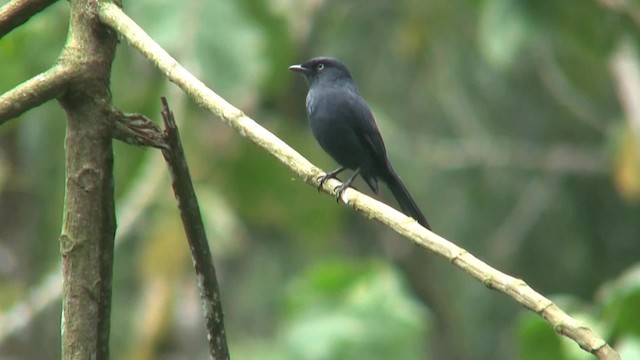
<point x="86" y="242"/>
<point x="88" y="229"/>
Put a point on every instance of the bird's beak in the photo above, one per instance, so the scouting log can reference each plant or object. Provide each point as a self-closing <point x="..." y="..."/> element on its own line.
<point x="298" y="68"/>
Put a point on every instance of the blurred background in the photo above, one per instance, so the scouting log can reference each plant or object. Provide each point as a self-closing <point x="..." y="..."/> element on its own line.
<point x="515" y="125"/>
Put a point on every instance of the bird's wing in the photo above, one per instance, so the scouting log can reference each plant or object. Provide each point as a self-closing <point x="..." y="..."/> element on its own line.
<point x="366" y="128"/>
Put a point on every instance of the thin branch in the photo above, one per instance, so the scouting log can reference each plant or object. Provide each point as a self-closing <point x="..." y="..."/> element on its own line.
<point x="35" y="91"/>
<point x="194" y="228"/>
<point x="515" y="288"/>
<point x="17" y="12"/>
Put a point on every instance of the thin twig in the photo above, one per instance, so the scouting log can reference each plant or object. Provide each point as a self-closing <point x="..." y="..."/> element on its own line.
<point x="17" y="12"/>
<point x="35" y="91"/>
<point x="492" y="278"/>
<point x="194" y="228"/>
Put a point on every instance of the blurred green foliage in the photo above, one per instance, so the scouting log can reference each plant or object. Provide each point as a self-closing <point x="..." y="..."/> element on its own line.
<point x="505" y="118"/>
<point x="348" y="310"/>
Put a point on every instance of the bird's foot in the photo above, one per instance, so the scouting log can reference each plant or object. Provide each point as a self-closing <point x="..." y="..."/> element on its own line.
<point x="323" y="178"/>
<point x="330" y="175"/>
<point x="340" y="189"/>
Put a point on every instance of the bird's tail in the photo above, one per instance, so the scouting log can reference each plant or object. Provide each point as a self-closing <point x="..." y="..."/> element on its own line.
<point x="406" y="202"/>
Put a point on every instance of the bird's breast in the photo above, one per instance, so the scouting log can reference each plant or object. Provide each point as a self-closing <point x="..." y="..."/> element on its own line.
<point x="310" y="104"/>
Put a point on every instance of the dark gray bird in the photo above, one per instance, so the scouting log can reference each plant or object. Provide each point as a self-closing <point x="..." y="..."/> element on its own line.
<point x="345" y="128"/>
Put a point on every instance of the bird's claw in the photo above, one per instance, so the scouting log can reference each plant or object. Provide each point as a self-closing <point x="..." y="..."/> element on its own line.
<point x="340" y="189"/>
<point x="323" y="178"/>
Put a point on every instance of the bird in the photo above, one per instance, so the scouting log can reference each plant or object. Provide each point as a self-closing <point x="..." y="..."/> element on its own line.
<point x="344" y="126"/>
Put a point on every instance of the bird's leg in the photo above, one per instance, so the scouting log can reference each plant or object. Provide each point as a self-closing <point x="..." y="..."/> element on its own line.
<point x="341" y="188"/>
<point x="330" y="175"/>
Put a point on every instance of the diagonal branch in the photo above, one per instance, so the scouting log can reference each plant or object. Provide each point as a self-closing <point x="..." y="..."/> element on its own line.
<point x="194" y="228"/>
<point x="17" y="12"/>
<point x="490" y="277"/>
<point x="35" y="91"/>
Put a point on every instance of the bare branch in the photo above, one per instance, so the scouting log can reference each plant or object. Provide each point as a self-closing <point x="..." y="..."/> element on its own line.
<point x="492" y="278"/>
<point x="198" y="244"/>
<point x="35" y="91"/>
<point x="17" y="12"/>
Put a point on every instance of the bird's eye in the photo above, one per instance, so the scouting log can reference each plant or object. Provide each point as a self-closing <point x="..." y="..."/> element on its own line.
<point x="320" y="67"/>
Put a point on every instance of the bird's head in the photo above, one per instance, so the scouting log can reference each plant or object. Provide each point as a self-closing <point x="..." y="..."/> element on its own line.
<point x="322" y="69"/>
